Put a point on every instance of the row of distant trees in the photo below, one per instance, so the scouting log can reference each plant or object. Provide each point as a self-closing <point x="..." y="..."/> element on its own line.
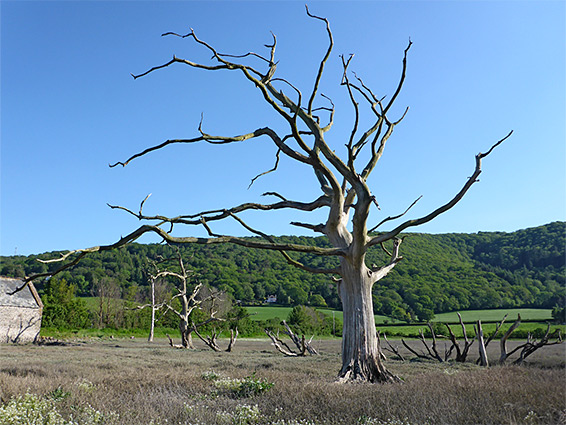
<point x="65" y="311"/>
<point x="439" y="273"/>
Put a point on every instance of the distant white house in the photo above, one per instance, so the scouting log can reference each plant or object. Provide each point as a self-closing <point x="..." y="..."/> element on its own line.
<point x="271" y="299"/>
<point x="20" y="314"/>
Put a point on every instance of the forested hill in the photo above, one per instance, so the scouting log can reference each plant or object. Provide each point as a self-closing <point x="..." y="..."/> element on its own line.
<point x="439" y="273"/>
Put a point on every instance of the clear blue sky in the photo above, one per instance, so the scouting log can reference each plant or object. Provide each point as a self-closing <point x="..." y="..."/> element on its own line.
<point x="69" y="107"/>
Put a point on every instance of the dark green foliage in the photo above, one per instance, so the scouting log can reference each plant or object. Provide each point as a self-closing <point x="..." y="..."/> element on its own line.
<point x="439" y="273"/>
<point x="61" y="308"/>
<point x="306" y="320"/>
<point x="559" y="314"/>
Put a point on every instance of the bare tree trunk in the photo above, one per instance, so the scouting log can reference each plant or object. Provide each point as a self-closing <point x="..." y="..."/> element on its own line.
<point x="360" y="350"/>
<point x="281" y="346"/>
<point x="394" y="350"/>
<point x="505" y="337"/>
<point x="152" y="325"/>
<point x="233" y="338"/>
<point x="483" y="353"/>
<point x="301" y="344"/>
<point x="186" y="339"/>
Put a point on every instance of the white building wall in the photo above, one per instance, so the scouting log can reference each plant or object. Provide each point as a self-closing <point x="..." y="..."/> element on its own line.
<point x="19" y="324"/>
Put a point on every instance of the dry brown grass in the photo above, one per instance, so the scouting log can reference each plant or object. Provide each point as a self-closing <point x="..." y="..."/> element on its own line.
<point x="144" y="382"/>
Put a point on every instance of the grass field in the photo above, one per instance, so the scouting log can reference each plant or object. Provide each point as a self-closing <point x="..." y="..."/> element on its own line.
<point x="270" y="312"/>
<point x="488" y="329"/>
<point x="496" y="315"/>
<point x="126" y="382"/>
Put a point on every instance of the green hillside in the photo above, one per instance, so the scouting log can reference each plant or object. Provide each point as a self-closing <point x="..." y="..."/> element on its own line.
<point x="439" y="273"/>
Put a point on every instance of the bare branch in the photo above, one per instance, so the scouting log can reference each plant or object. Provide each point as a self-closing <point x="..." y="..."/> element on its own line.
<point x="142" y="230"/>
<point x="380" y="273"/>
<point x="505" y="337"/>
<point x="220" y="214"/>
<point x="287" y="257"/>
<point x="314" y="227"/>
<point x="401" y="81"/>
<point x="416" y="222"/>
<point x="346" y="82"/>
<point x="396" y="216"/>
<point x="280" y="345"/>
<point x="323" y="61"/>
<point x="408" y="347"/>
<point x="394" y="350"/>
<point x="269" y="171"/>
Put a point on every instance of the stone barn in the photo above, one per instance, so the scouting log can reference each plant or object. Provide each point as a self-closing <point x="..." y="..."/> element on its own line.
<point x="20" y="314"/>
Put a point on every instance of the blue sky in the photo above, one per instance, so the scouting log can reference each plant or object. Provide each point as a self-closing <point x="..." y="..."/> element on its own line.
<point x="69" y="107"/>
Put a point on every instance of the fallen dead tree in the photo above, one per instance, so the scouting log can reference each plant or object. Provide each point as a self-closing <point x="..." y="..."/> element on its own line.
<point x="461" y="353"/>
<point x="212" y="340"/>
<point x="303" y="346"/>
<point x="461" y="348"/>
<point x="391" y="348"/>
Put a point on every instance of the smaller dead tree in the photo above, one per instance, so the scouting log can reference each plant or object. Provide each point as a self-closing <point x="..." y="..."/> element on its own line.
<point x="390" y="347"/>
<point x="216" y="304"/>
<point x="415" y="352"/>
<point x="492" y="336"/>
<point x="432" y="351"/>
<point x="199" y="297"/>
<point x="533" y="345"/>
<point x="461" y="353"/>
<point x="525" y="350"/>
<point x="158" y="294"/>
<point x="302" y="344"/>
<point x="479" y="335"/>
<point x="528" y="347"/>
<point x="505" y="337"/>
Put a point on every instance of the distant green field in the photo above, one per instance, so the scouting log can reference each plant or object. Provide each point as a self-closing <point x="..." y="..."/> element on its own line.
<point x="270" y="312"/>
<point x="496" y="315"/>
<point x="488" y="329"/>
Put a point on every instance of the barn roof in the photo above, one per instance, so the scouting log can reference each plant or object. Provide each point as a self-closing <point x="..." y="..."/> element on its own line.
<point x="27" y="297"/>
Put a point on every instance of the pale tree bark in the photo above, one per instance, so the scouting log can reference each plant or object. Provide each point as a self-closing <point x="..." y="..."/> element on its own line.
<point x="189" y="299"/>
<point x="505" y="337"/>
<point x="343" y="183"/>
<point x="301" y="343"/>
<point x="481" y="345"/>
<point x="461" y="352"/>
<point x="153" y="309"/>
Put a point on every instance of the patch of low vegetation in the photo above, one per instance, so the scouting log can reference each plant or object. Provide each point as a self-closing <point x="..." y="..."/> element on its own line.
<point x="244" y="387"/>
<point x="31" y="409"/>
<point x="134" y="382"/>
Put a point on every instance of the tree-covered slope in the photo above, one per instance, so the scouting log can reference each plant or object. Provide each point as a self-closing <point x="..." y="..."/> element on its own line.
<point x="439" y="273"/>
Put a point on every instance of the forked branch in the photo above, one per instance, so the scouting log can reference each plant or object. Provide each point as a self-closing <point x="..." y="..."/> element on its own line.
<point x="417" y="222"/>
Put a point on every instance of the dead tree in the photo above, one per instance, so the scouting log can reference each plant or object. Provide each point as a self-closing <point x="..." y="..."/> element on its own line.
<point x="302" y="344"/>
<point x="505" y="337"/>
<point x="461" y="353"/>
<point x="432" y="350"/>
<point x="528" y="347"/>
<point x="153" y="310"/>
<point x="393" y="349"/>
<point x="492" y="336"/>
<point x="282" y="346"/>
<point x="189" y="299"/>
<point x="343" y="182"/>
<point x="481" y="345"/>
<point x="533" y="345"/>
